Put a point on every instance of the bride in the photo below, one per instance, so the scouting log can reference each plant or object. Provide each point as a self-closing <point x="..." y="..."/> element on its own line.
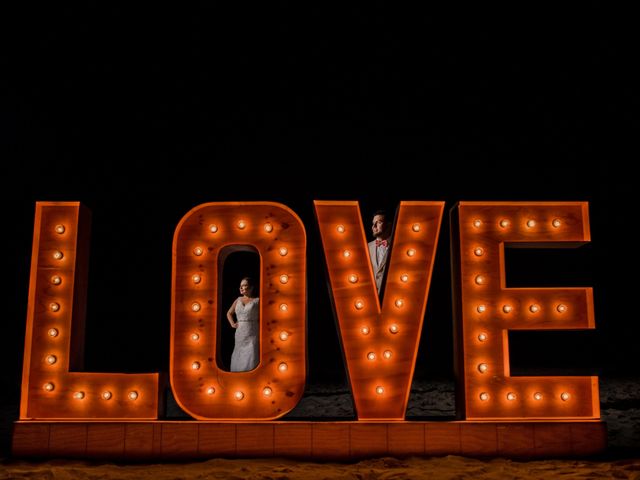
<point x="247" y="311"/>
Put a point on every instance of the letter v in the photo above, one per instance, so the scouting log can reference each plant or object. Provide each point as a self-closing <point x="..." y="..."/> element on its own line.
<point x="380" y="344"/>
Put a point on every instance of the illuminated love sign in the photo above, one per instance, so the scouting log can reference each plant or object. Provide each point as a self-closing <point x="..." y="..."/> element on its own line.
<point x="380" y="340"/>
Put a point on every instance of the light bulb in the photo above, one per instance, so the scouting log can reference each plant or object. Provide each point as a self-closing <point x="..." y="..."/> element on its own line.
<point x="565" y="396"/>
<point x="340" y="228"/>
<point x="371" y="356"/>
<point x="239" y="395"/>
<point x="57" y="255"/>
<point x="399" y="303"/>
<point x="54" y="307"/>
<point x="353" y="278"/>
<point x="477" y="223"/>
<point x="211" y="391"/>
<point x="195" y="366"/>
<point x="531" y="223"/>
<point x="379" y="390"/>
<point x="283" y="251"/>
<point x="415" y="227"/>
<point x="196" y="278"/>
<point x="365" y="330"/>
<point x="556" y="223"/>
<point x="59" y="229"/>
<point x="482" y="337"/>
<point x="133" y="395"/>
<point x="562" y="308"/>
<point x="78" y="395"/>
<point x="507" y="308"/>
<point x="511" y="396"/>
<point x="195" y="337"/>
<point x="53" y="332"/>
<point x="411" y="252"/>
<point x="478" y="251"/>
<point x="346" y="253"/>
<point x="106" y="395"/>
<point x="283" y="367"/>
<point x="284" y="307"/>
<point x="284" y="335"/>
<point x="213" y="228"/>
<point x="534" y="308"/>
<point x="51" y="359"/>
<point x="387" y="354"/>
<point x="393" y="328"/>
<point x="242" y="224"/>
<point x="481" y="308"/>
<point x="195" y="306"/>
<point x="198" y="251"/>
<point x="504" y="223"/>
<point x="56" y="280"/>
<point x="268" y="227"/>
<point x="359" y="304"/>
<point x="483" y="367"/>
<point x="49" y="387"/>
<point x="484" y="396"/>
<point x="537" y="396"/>
<point x="404" y="278"/>
<point x="284" y="278"/>
<point x="480" y="279"/>
<point x="267" y="392"/>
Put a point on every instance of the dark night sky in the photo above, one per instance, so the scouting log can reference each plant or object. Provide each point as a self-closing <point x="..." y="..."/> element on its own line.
<point x="144" y="114"/>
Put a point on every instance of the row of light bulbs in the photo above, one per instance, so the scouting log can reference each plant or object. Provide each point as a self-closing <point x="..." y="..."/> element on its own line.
<point x="80" y="395"/>
<point x="241" y="225"/>
<point x="506" y="223"/>
<point x="533" y="308"/>
<point x="511" y="396"/>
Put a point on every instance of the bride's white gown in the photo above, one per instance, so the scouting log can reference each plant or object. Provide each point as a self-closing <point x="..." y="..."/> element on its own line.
<point x="246" y="349"/>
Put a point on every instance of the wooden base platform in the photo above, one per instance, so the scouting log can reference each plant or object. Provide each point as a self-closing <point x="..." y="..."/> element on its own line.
<point x="176" y="440"/>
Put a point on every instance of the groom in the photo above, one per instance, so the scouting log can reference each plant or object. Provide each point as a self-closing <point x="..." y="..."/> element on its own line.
<point x="378" y="248"/>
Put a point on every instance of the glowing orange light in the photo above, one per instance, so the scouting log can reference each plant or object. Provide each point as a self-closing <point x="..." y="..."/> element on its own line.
<point x="213" y="228"/>
<point x="283" y="263"/>
<point x="376" y="325"/>
<point x="66" y="225"/>
<point x="483" y="339"/>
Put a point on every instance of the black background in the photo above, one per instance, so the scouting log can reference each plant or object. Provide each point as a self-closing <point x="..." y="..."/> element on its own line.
<point x="143" y="113"/>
